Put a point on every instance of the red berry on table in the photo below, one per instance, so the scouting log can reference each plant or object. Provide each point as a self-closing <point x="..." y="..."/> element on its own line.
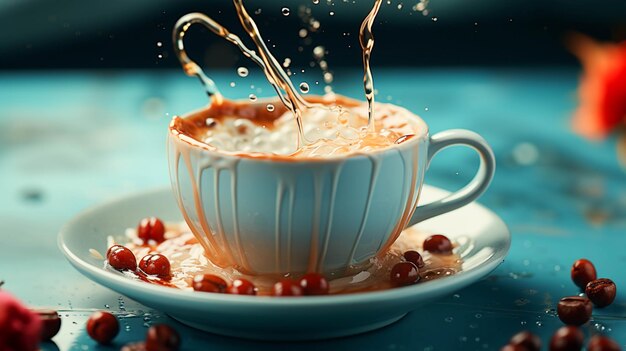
<point x="241" y="287"/>
<point x="567" y="338"/>
<point x="415" y="258"/>
<point x="50" y="323"/>
<point x="602" y="343"/>
<point x="102" y="327"/>
<point x="574" y="310"/>
<point x="314" y="284"/>
<point x="404" y="273"/>
<point x="583" y="272"/>
<point x="162" y="337"/>
<point x="438" y="244"/>
<point x="155" y="264"/>
<point x="601" y="292"/>
<point x="528" y="340"/>
<point x="121" y="258"/>
<point x="209" y="283"/>
<point x="151" y="228"/>
<point x="287" y="287"/>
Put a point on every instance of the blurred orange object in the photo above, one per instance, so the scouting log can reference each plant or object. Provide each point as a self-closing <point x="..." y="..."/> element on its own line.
<point x="602" y="90"/>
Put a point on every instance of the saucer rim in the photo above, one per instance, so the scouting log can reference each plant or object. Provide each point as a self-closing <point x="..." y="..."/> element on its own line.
<point x="109" y="279"/>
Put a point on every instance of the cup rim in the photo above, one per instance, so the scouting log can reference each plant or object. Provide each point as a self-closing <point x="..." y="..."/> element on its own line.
<point x="175" y="134"/>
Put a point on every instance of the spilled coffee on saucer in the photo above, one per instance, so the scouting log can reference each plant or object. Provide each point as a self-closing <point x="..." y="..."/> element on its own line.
<point x="294" y="127"/>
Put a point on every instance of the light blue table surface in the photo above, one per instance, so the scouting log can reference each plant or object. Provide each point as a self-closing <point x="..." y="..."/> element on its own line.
<point x="71" y="140"/>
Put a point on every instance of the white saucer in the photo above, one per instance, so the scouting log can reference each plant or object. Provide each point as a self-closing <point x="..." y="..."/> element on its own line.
<point x="282" y="318"/>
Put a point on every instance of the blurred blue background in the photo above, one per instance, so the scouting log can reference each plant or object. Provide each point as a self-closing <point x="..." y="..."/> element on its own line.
<point x="123" y="34"/>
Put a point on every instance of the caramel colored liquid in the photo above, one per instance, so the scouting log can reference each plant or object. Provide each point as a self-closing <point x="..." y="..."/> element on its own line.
<point x="251" y="129"/>
<point x="289" y="96"/>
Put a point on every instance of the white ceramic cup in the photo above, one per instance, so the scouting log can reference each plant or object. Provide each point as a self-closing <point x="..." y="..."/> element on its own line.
<point x="278" y="216"/>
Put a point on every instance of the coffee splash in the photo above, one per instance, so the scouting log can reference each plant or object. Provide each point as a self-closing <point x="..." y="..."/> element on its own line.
<point x="366" y="39"/>
<point x="272" y="69"/>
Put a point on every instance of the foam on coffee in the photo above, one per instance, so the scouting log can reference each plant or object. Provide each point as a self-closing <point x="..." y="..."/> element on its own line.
<point x="334" y="125"/>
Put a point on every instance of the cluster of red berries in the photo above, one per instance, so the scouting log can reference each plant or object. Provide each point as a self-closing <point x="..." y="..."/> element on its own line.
<point x="103" y="327"/>
<point x="575" y="311"/>
<point x="149" y="230"/>
<point x="407" y="272"/>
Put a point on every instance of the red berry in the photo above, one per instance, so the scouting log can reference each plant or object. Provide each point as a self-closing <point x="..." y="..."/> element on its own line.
<point x="574" y="310"/>
<point x="438" y="244"/>
<point x="50" y="323"/>
<point x="602" y="343"/>
<point x="209" y="283"/>
<point x="404" y="273"/>
<point x="121" y="258"/>
<point x="241" y="287"/>
<point x="601" y="292"/>
<point x="287" y="287"/>
<point x="162" y="337"/>
<point x="155" y="264"/>
<point x="528" y="340"/>
<point x="102" y="327"/>
<point x="415" y="258"/>
<point x="567" y="338"/>
<point x="583" y="272"/>
<point x="151" y="228"/>
<point x="314" y="284"/>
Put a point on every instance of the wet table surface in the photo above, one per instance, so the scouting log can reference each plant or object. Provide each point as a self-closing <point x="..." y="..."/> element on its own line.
<point x="71" y="140"/>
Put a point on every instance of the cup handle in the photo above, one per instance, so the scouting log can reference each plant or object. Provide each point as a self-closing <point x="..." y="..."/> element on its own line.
<point x="474" y="188"/>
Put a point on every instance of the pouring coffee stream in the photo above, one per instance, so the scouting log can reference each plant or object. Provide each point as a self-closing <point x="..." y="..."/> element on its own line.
<point x="272" y="69"/>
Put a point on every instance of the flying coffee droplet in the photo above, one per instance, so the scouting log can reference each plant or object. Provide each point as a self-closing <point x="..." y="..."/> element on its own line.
<point x="304" y="87"/>
<point x="287" y="62"/>
<point x="316" y="2"/>
<point x="270" y="107"/>
<point x="159" y="44"/>
<point x="302" y="33"/>
<point x="332" y="13"/>
<point x="242" y="72"/>
<point x="232" y="84"/>
<point x="318" y="52"/>
<point x="285" y="11"/>
<point x="252" y="97"/>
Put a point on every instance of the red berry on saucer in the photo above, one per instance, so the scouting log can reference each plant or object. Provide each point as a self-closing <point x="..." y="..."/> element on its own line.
<point x="404" y="273"/>
<point x="209" y="283"/>
<point x="414" y="257"/>
<point x="102" y="327"/>
<point x="438" y="244"/>
<point x="151" y="228"/>
<point x="287" y="287"/>
<point x="314" y="284"/>
<point x="121" y="258"/>
<point x="162" y="337"/>
<point x="155" y="264"/>
<point x="241" y="287"/>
